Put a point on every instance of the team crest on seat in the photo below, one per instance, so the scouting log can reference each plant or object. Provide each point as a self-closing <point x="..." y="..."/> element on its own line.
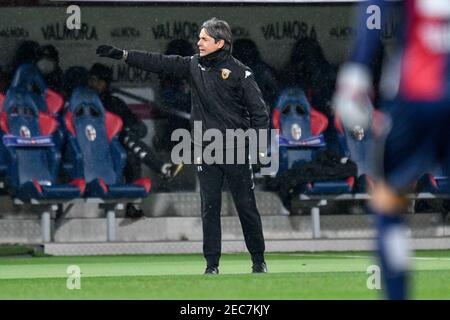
<point x="25" y="132"/>
<point x="358" y="133"/>
<point x="91" y="134"/>
<point x="296" y="131"/>
<point x="225" y="73"/>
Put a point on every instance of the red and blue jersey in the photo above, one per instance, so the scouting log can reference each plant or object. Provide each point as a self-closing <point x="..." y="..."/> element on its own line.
<point x="422" y="64"/>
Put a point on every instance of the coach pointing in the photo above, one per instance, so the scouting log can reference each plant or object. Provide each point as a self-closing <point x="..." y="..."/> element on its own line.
<point x="224" y="96"/>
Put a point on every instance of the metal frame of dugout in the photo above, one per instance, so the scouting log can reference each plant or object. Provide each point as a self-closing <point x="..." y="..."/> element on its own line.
<point x="318" y="201"/>
<point x="48" y="210"/>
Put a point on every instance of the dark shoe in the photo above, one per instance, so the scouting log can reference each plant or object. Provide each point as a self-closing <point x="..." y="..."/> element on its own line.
<point x="259" y="268"/>
<point x="133" y="212"/>
<point x="212" y="270"/>
<point x="169" y="171"/>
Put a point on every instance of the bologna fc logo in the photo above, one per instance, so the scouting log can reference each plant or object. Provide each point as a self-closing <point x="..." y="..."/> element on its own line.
<point x="358" y="133"/>
<point x="91" y="134"/>
<point x="225" y="73"/>
<point x="25" y="132"/>
<point x="296" y="131"/>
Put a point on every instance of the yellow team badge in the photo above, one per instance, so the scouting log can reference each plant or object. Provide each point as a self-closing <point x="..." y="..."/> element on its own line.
<point x="225" y="73"/>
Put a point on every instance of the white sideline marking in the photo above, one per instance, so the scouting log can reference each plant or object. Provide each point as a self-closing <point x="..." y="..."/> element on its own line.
<point x="366" y="257"/>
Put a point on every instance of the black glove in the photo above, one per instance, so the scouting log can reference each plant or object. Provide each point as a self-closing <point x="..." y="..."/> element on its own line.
<point x="109" y="52"/>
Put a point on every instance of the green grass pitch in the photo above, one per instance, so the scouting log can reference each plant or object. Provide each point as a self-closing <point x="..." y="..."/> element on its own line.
<point x="328" y="275"/>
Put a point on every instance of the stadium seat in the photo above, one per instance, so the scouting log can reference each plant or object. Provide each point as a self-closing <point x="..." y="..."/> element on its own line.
<point x="330" y="187"/>
<point x="293" y="117"/>
<point x="2" y="99"/>
<point x="29" y="77"/>
<point x="31" y="150"/>
<point x="2" y="148"/>
<point x="358" y="145"/>
<point x="94" y="152"/>
<point x="301" y="138"/>
<point x="434" y="183"/>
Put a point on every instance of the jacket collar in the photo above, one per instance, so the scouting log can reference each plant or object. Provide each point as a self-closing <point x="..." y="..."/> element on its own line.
<point x="214" y="58"/>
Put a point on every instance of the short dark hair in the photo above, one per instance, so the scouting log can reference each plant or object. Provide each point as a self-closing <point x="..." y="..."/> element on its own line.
<point x="48" y="51"/>
<point x="219" y="30"/>
<point x="102" y="72"/>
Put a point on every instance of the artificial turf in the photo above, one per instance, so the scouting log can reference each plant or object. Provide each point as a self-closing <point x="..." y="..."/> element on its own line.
<point x="328" y="275"/>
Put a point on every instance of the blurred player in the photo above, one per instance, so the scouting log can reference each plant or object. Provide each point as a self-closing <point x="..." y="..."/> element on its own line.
<point x="416" y="97"/>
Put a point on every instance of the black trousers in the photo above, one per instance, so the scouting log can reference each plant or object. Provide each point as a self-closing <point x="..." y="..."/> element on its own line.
<point x="240" y="181"/>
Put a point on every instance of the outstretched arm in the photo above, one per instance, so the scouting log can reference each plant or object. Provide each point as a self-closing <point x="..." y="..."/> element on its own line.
<point x="149" y="61"/>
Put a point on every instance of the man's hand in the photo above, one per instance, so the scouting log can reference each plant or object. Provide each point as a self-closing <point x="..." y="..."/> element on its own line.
<point x="109" y="52"/>
<point x="262" y="161"/>
<point x="352" y="98"/>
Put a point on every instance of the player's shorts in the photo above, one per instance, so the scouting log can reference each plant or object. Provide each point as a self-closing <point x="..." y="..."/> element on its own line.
<point x="418" y="141"/>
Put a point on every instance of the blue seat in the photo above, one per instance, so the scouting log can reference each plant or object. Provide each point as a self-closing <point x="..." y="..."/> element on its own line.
<point x="436" y="182"/>
<point x="2" y="147"/>
<point x="292" y="116"/>
<point x="359" y="146"/>
<point x="427" y="183"/>
<point x="301" y="138"/>
<point x="32" y="154"/>
<point x="94" y="152"/>
<point x="330" y="187"/>
<point x="29" y="77"/>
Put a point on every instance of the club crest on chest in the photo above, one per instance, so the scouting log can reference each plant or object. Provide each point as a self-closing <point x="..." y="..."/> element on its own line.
<point x="225" y="73"/>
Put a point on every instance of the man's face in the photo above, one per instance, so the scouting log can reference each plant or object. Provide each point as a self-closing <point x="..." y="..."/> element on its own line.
<point x="97" y="84"/>
<point x="207" y="44"/>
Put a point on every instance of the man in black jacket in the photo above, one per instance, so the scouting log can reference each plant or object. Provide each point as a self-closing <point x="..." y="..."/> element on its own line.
<point x="224" y="96"/>
<point x="48" y="64"/>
